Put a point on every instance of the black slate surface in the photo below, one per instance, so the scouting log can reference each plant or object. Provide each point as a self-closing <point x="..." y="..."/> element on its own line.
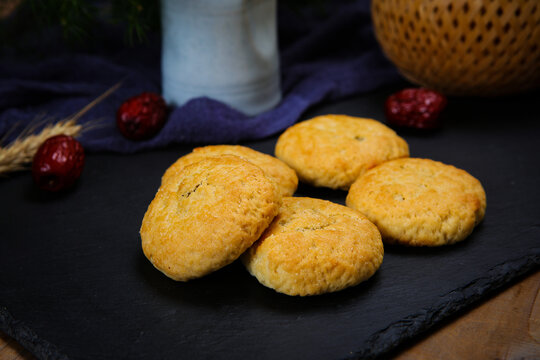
<point x="74" y="282"/>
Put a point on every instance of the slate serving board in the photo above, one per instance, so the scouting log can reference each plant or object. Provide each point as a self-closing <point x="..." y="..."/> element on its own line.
<point x="75" y="284"/>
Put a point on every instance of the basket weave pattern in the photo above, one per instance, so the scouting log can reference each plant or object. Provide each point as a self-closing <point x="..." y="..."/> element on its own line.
<point x="462" y="47"/>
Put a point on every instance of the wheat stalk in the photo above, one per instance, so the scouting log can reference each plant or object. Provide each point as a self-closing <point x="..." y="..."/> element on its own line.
<point x="21" y="151"/>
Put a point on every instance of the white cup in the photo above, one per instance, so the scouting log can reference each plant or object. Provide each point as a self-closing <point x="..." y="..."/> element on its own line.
<point x="223" y="49"/>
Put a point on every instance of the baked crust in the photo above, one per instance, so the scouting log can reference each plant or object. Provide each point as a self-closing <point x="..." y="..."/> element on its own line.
<point x="208" y="216"/>
<point x="419" y="202"/>
<point x="275" y="169"/>
<point x="334" y="150"/>
<point x="313" y="247"/>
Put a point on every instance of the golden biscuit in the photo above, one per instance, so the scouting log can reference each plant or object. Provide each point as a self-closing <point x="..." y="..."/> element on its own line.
<point x="216" y="209"/>
<point x="313" y="247"/>
<point x="275" y="169"/>
<point x="419" y="202"/>
<point x="334" y="150"/>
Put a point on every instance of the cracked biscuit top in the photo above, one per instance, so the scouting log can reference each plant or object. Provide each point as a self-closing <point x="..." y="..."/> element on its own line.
<point x="275" y="169"/>
<point x="419" y="202"/>
<point x="207" y="216"/>
<point x="313" y="247"/>
<point x="334" y="150"/>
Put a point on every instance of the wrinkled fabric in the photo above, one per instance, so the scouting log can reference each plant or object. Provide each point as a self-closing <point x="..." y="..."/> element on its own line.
<point x="324" y="57"/>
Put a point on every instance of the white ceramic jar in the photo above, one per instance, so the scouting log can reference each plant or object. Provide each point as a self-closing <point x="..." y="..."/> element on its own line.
<point x="223" y="49"/>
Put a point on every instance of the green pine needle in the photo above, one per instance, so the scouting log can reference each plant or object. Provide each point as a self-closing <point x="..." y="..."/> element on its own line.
<point x="77" y="18"/>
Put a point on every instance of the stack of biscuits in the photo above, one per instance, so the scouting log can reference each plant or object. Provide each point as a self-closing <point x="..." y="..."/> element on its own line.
<point x="221" y="203"/>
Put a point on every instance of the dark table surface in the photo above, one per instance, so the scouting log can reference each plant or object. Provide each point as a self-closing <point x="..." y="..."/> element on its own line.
<point x="74" y="281"/>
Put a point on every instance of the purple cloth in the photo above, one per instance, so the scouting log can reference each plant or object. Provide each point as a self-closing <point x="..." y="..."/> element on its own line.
<point x="324" y="57"/>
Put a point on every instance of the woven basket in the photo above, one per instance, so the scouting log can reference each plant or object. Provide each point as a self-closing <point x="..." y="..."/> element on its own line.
<point x="462" y="47"/>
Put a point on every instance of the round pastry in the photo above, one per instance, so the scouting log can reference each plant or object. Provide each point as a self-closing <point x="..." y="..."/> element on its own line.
<point x="419" y="202"/>
<point x="216" y="209"/>
<point x="275" y="169"/>
<point x="313" y="247"/>
<point x="334" y="150"/>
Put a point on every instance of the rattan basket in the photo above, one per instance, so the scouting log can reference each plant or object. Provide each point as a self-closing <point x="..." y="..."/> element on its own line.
<point x="462" y="47"/>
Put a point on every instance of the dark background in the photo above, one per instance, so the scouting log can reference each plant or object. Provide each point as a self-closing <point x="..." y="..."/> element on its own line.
<point x="74" y="281"/>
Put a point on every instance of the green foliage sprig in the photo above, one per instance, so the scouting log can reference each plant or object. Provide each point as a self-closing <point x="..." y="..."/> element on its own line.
<point x="77" y="18"/>
<point x="139" y="16"/>
<point x="74" y="16"/>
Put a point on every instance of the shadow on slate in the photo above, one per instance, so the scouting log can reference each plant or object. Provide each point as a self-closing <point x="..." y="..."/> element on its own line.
<point x="74" y="282"/>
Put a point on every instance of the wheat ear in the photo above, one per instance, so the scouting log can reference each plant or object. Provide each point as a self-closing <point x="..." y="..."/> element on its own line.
<point x="21" y="151"/>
